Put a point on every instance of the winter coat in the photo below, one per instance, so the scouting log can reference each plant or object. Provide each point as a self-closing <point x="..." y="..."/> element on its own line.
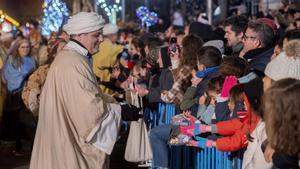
<point x="33" y="88"/>
<point x="258" y="59"/>
<point x="235" y="131"/>
<point x="182" y="77"/>
<point x="253" y="156"/>
<point x="15" y="78"/>
<point x="192" y="94"/>
<point x="165" y="82"/>
<point x="106" y="57"/>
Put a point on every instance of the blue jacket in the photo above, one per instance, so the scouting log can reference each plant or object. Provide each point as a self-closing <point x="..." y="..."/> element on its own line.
<point x="15" y="78"/>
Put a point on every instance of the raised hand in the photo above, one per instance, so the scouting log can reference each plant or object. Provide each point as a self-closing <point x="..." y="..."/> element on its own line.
<point x="229" y="82"/>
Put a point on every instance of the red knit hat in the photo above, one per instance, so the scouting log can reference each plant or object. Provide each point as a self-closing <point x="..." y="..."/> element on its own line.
<point x="268" y="22"/>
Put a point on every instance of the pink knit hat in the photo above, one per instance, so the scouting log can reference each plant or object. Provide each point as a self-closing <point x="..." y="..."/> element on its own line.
<point x="268" y="22"/>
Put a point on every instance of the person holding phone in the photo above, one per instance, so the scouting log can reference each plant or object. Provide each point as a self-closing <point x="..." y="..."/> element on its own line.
<point x="187" y="61"/>
<point x="174" y="52"/>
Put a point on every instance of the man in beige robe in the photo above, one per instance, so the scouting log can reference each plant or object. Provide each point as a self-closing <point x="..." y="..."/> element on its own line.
<point x="78" y="124"/>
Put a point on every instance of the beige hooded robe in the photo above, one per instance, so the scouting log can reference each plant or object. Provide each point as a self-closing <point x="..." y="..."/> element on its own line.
<point x="71" y="107"/>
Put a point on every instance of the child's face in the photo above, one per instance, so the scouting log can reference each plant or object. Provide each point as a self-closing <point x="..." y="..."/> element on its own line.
<point x="136" y="72"/>
<point x="133" y="50"/>
<point x="124" y="62"/>
<point x="212" y="94"/>
<point x="143" y="72"/>
<point x="276" y="52"/>
<point x="200" y="67"/>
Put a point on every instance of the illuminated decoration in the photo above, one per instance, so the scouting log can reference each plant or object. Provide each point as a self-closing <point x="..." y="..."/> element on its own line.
<point x="55" y="12"/>
<point x="5" y="17"/>
<point x="147" y="17"/>
<point x="6" y="27"/>
<point x="111" y="8"/>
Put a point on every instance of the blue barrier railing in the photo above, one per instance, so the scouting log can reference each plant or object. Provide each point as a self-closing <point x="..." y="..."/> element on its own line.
<point x="208" y="158"/>
<point x="211" y="158"/>
<point x="164" y="114"/>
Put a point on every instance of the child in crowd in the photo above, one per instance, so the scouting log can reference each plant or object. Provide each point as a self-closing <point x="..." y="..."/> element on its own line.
<point x="235" y="130"/>
<point x="206" y="112"/>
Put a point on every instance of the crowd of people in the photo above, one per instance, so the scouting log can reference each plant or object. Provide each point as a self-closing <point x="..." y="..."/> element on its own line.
<point x="234" y="87"/>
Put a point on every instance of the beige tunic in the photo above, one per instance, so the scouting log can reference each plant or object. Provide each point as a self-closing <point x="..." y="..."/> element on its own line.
<point x="71" y="106"/>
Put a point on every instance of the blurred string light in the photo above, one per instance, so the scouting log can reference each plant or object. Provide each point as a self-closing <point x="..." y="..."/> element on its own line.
<point x="109" y="7"/>
<point x="5" y="17"/>
<point x="55" y="12"/>
<point x="147" y="17"/>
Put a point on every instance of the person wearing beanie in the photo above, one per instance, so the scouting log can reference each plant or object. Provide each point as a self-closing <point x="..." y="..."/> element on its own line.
<point x="107" y="56"/>
<point x="219" y="44"/>
<point x="258" y="43"/>
<point x="285" y="65"/>
<point x="161" y="77"/>
<point x="204" y="31"/>
<point x="78" y="124"/>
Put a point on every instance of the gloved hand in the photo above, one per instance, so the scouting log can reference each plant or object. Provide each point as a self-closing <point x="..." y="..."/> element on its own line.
<point x="130" y="112"/>
<point x="229" y="82"/>
<point x="201" y="142"/>
<point x="193" y="130"/>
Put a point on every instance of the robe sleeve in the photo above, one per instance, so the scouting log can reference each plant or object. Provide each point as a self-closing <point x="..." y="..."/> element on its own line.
<point x="105" y="134"/>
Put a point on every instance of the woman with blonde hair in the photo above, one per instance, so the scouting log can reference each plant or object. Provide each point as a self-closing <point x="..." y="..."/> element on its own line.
<point x="17" y="68"/>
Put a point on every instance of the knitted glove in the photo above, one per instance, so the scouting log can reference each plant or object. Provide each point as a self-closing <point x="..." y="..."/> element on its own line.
<point x="201" y="142"/>
<point x="130" y="112"/>
<point x="193" y="130"/>
<point x="229" y="82"/>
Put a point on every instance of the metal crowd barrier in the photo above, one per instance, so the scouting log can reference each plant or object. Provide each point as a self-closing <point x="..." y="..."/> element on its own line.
<point x="196" y="158"/>
<point x="211" y="158"/>
<point x="164" y="114"/>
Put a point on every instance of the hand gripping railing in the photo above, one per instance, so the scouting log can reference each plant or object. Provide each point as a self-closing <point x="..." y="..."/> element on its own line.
<point x="197" y="158"/>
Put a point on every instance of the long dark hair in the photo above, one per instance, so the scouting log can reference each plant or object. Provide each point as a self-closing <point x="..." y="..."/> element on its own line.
<point x="281" y="105"/>
<point x="191" y="46"/>
<point x="140" y="46"/>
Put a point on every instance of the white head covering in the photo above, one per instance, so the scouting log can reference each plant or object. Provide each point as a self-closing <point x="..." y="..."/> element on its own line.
<point x="110" y="29"/>
<point x="84" y="22"/>
<point x="286" y="64"/>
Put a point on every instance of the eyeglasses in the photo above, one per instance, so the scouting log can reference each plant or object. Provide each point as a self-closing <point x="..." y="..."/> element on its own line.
<point x="245" y="37"/>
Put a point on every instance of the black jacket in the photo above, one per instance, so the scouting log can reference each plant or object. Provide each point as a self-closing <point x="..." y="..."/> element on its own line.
<point x="258" y="59"/>
<point x="159" y="82"/>
<point x="284" y="161"/>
